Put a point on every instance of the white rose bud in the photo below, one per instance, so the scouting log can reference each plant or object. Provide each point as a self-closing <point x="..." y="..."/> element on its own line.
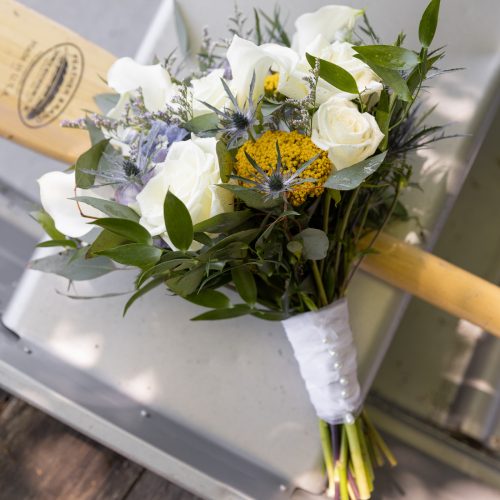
<point x="208" y="89"/>
<point x="334" y="22"/>
<point x="348" y="135"/>
<point x="191" y="172"/>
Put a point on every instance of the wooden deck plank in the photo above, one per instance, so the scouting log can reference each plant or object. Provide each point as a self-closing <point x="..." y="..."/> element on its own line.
<point x="42" y="459"/>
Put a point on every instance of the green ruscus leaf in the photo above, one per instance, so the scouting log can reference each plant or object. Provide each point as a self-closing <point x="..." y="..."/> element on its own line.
<point x="245" y="284"/>
<point x="428" y="23"/>
<point x="351" y="177"/>
<point x="178" y="222"/>
<point x="335" y="75"/>
<point x="129" y="229"/>
<point x="87" y="163"/>
<point x="388" y="56"/>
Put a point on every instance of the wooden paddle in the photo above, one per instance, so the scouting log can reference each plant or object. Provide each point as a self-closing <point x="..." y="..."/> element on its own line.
<point x="48" y="73"/>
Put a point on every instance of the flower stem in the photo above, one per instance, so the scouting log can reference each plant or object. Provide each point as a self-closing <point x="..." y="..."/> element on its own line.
<point x="360" y="472"/>
<point x="342" y="466"/>
<point x="326" y="444"/>
<point x="319" y="284"/>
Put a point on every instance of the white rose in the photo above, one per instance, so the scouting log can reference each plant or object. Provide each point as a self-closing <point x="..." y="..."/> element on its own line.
<point x="247" y="59"/>
<point x="208" y="89"/>
<point x="191" y="172"/>
<point x="348" y="135"/>
<point x="126" y="76"/>
<point x="334" y="22"/>
<point x="56" y="191"/>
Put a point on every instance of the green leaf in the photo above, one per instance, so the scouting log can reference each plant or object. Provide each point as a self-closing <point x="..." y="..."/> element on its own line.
<point x="241" y="237"/>
<point x="335" y="75"/>
<point x="210" y="298"/>
<point x="47" y="223"/>
<point x="73" y="265"/>
<point x="87" y="164"/>
<point x="224" y="222"/>
<point x="178" y="222"/>
<point x="202" y="238"/>
<point x="428" y="23"/>
<point x="203" y="123"/>
<point x="142" y="291"/>
<point x="251" y="198"/>
<point x="110" y="208"/>
<point x="163" y="268"/>
<point x="295" y="247"/>
<point x="388" y="56"/>
<point x="315" y="243"/>
<point x="269" y="315"/>
<point x="129" y="229"/>
<point x="335" y="196"/>
<point x="245" y="284"/>
<point x="134" y="254"/>
<point x="106" y="101"/>
<point x="57" y="243"/>
<point x="188" y="283"/>
<point x="104" y="241"/>
<point x="226" y="161"/>
<point x="228" y="313"/>
<point x="95" y="133"/>
<point x="351" y="177"/>
<point x="391" y="77"/>
<point x="383" y="117"/>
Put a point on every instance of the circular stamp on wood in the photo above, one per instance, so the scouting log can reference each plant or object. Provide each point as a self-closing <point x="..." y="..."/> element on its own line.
<point x="49" y="84"/>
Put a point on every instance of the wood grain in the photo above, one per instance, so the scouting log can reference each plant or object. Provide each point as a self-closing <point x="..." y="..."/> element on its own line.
<point x="37" y="68"/>
<point x="436" y="281"/>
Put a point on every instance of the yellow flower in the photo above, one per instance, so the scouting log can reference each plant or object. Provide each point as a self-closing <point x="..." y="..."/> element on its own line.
<point x="271" y="84"/>
<point x="296" y="149"/>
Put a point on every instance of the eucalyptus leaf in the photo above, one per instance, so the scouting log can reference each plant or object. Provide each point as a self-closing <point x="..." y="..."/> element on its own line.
<point x="202" y="123"/>
<point x="226" y="161"/>
<point x="73" y="265"/>
<point x="178" y="222"/>
<point x="134" y="254"/>
<point x="228" y="313"/>
<point x="428" y="23"/>
<point x="295" y="247"/>
<point x="210" y="298"/>
<point x="351" y="177"/>
<point x="335" y="75"/>
<point x="388" y="56"/>
<point x="142" y="291"/>
<point x="106" y="101"/>
<point x="129" y="229"/>
<point x="224" y="222"/>
<point x="245" y="284"/>
<point x="110" y="208"/>
<point x="87" y="164"/>
<point x="47" y="223"/>
<point x="314" y="243"/>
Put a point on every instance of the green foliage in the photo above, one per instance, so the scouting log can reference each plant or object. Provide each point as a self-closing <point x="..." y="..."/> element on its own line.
<point x="47" y="223"/>
<point x="224" y="222"/>
<point x="128" y="229"/>
<point x="178" y="222"/>
<point x="351" y="177"/>
<point x="314" y="243"/>
<point x="71" y="264"/>
<point x="110" y="208"/>
<point x="203" y="123"/>
<point x="245" y="284"/>
<point x="106" y="101"/>
<point x="335" y="75"/>
<point x="134" y="254"/>
<point x="226" y="161"/>
<point x="87" y="164"/>
<point x="428" y="23"/>
<point x="388" y="56"/>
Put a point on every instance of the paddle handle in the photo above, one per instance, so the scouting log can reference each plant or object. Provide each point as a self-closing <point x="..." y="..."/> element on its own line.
<point x="47" y="74"/>
<point x="436" y="281"/>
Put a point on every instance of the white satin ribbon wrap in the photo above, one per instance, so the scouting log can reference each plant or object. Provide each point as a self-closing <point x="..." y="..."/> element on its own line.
<point x="323" y="345"/>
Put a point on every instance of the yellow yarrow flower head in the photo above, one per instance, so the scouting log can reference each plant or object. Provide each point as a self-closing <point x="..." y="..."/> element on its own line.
<point x="286" y="163"/>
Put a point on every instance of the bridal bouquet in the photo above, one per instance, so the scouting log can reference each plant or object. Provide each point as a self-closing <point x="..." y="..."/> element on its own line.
<point x="269" y="170"/>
